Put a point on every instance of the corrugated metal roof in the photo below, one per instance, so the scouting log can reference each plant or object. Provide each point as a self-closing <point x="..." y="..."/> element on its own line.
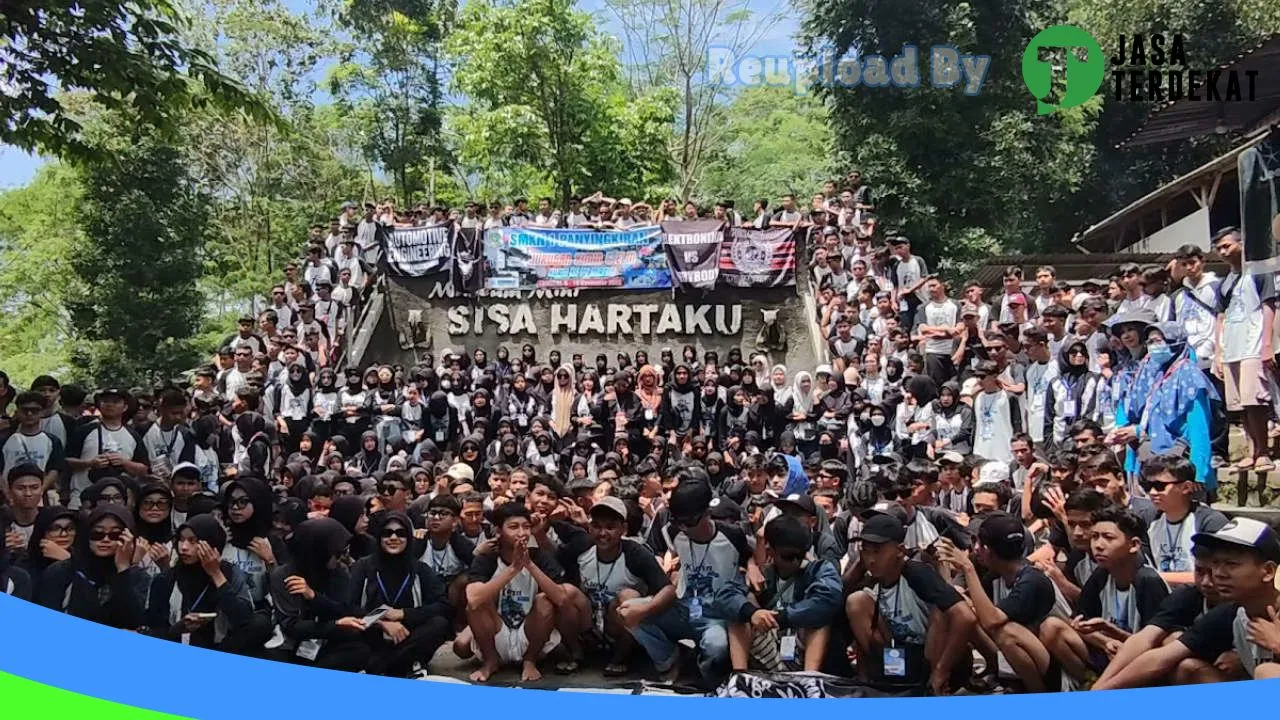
<point x="1074" y="268"/>
<point x="1183" y="119"/>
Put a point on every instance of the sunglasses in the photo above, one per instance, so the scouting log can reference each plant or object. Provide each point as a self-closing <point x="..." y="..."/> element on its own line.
<point x="1076" y="353"/>
<point x="439" y="512"/>
<point x="391" y="489"/>
<point x="31" y="409"/>
<point x="1158" y="485"/>
<point x="111" y="498"/>
<point x="62" y="529"/>
<point x="100" y="535"/>
<point x="154" y="504"/>
<point x="396" y="532"/>
<point x="239" y="502"/>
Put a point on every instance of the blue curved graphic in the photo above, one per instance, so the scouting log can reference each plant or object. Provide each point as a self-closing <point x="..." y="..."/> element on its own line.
<point x="79" y="656"/>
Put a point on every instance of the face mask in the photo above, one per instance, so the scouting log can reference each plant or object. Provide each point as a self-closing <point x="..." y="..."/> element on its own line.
<point x="877" y="420"/>
<point x="1160" y="354"/>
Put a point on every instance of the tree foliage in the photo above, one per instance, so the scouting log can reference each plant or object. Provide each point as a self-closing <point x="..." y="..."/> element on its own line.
<point x="774" y="142"/>
<point x="124" y="54"/>
<point x="132" y="296"/>
<point x="546" y="92"/>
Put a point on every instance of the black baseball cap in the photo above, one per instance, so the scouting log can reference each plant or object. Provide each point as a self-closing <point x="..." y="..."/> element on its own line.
<point x="880" y="529"/>
<point x="111" y="392"/>
<point x="798" y="500"/>
<point x="1003" y="533"/>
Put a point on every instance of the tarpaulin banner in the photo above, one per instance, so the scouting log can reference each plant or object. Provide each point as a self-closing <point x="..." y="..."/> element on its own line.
<point x="549" y="258"/>
<point x="693" y="251"/>
<point x="418" y="251"/>
<point x="758" y="258"/>
<point x="1259" y="174"/>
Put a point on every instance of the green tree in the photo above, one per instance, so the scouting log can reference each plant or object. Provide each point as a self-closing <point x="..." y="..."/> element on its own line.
<point x="390" y="75"/>
<point x="546" y="92"/>
<point x="124" y="54"/>
<point x="37" y="234"/>
<point x="132" y="298"/>
<point x="774" y="141"/>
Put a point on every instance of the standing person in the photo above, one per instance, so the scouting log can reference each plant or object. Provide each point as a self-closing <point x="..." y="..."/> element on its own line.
<point x="936" y="326"/>
<point x="24" y="484"/>
<point x="910" y="273"/>
<point x="1042" y="370"/>
<point x="29" y="444"/>
<point x="168" y="441"/>
<point x="997" y="415"/>
<point x="1195" y="307"/>
<point x="512" y="600"/>
<point x="311" y="600"/>
<point x="1072" y="395"/>
<point x="1246" y="357"/>
<point x="105" y="446"/>
<point x="420" y="616"/>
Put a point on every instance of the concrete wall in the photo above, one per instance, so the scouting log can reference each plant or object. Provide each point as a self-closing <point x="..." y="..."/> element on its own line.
<point x="586" y="321"/>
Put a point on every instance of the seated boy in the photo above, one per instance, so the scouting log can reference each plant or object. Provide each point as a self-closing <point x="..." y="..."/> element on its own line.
<point x="1170" y="480"/>
<point x="911" y="626"/>
<point x="621" y="583"/>
<point x="1010" y="605"/>
<point x="1245" y="554"/>
<point x="513" y="598"/>
<point x="1122" y="595"/>
<point x="445" y="550"/>
<point x="786" y="624"/>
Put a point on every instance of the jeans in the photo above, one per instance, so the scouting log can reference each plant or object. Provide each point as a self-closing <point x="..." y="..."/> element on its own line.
<point x="659" y="635"/>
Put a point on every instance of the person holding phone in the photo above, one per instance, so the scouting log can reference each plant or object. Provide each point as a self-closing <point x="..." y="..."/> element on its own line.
<point x="100" y="581"/>
<point x="405" y="595"/>
<point x="204" y="600"/>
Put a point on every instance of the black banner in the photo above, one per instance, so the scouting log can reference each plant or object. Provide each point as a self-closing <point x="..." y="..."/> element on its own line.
<point x="466" y="272"/>
<point x="758" y="258"/>
<point x="693" y="251"/>
<point x="1259" y="173"/>
<point x="417" y="251"/>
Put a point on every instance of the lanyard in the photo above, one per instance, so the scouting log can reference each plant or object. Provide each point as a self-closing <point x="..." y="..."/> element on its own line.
<point x="199" y="597"/>
<point x="693" y="562"/>
<point x="390" y="600"/>
<point x="1121" y="617"/>
<point x="603" y="584"/>
<point x="1146" y="413"/>
<point x="437" y="561"/>
<point x="86" y="578"/>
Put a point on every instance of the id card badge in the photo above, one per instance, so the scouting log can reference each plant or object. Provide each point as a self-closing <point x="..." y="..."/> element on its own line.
<point x="597" y="614"/>
<point x="186" y="638"/>
<point x="648" y="414"/>
<point x="309" y="650"/>
<point x="787" y="648"/>
<point x="895" y="662"/>
<point x="903" y="306"/>
<point x="695" y="608"/>
<point x="1069" y="408"/>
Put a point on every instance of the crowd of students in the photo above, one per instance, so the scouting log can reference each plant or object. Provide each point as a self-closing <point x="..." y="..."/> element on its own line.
<point x="1011" y="496"/>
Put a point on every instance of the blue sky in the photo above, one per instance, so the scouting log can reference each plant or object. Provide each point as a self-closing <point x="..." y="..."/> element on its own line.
<point x="17" y="168"/>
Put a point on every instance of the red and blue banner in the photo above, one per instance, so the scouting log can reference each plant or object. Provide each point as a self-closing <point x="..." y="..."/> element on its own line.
<point x="526" y="258"/>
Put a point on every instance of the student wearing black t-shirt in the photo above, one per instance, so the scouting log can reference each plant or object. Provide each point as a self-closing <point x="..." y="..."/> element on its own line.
<point x="1011" y="605"/>
<point x="1120" y="597"/>
<point x="512" y="600"/>
<point x="1245" y="555"/>
<point x="1184" y="605"/>
<point x="911" y="625"/>
<point x="621" y="582"/>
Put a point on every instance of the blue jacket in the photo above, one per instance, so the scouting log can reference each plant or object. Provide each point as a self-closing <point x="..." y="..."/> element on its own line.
<point x="819" y="589"/>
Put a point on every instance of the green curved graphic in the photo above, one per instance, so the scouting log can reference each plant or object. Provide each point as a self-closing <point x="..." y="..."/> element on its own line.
<point x="29" y="699"/>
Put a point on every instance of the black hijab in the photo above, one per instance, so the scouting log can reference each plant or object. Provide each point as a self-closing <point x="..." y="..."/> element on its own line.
<point x="162" y="531"/>
<point x="259" y="524"/>
<point x="315" y="542"/>
<point x="36" y="561"/>
<point x="98" y="570"/>
<point x="192" y="580"/>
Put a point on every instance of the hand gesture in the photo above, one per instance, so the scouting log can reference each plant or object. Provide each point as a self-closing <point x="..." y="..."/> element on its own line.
<point x="763" y="620"/>
<point x="210" y="561"/>
<point x="297" y="585"/>
<point x="125" y="549"/>
<point x="420" y="534"/>
<point x="575" y="512"/>
<point x="160" y="554"/>
<point x="262" y="548"/>
<point x="488" y="546"/>
<point x="755" y="578"/>
<point x="521" y="559"/>
<point x="192" y="622"/>
<point x="630" y="614"/>
<point x="141" y="549"/>
<point x="1265" y="632"/>
<point x="949" y="553"/>
<point x="351" y="623"/>
<point x="53" y="551"/>
<point x="394" y="631"/>
<point x="13" y="540"/>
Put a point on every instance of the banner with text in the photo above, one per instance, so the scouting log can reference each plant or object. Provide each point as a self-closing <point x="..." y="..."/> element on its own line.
<point x="758" y="258"/>
<point x="693" y="252"/>
<point x="417" y="251"/>
<point x="550" y="258"/>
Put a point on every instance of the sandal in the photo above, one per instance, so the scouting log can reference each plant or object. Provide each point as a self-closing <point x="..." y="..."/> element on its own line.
<point x="1263" y="465"/>
<point x="566" y="667"/>
<point x="616" y="669"/>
